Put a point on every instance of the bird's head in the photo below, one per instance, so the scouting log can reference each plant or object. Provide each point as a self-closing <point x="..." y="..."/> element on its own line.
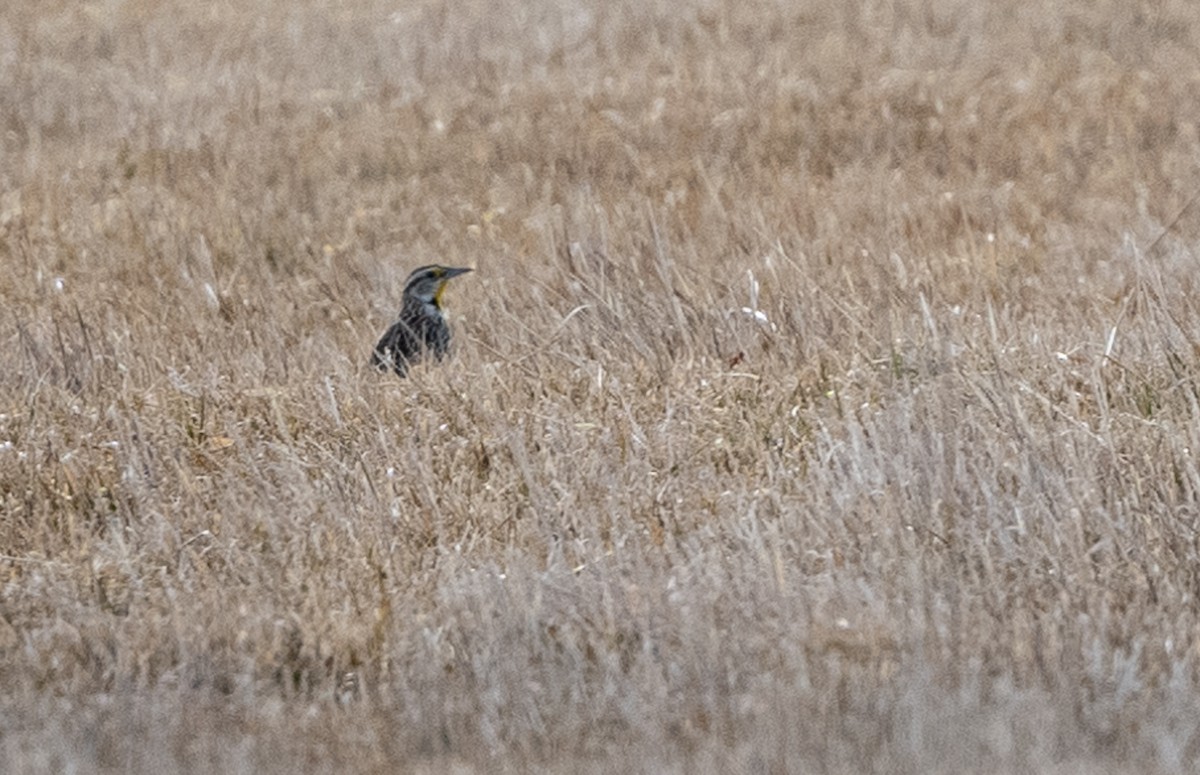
<point x="427" y="283"/>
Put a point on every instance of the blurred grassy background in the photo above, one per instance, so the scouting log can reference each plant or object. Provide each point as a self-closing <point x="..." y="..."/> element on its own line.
<point x="824" y="398"/>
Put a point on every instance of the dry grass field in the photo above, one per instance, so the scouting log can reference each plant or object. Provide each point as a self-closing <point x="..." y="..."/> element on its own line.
<point x="825" y="398"/>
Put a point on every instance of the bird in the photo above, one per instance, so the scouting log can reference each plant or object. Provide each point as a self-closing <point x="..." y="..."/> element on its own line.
<point x="422" y="327"/>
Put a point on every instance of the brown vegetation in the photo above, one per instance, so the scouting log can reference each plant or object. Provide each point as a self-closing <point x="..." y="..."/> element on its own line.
<point x="824" y="399"/>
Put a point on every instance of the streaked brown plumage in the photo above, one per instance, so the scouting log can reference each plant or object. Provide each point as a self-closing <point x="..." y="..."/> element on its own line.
<point x="422" y="327"/>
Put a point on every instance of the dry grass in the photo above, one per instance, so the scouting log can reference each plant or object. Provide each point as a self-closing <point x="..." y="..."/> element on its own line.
<point x="935" y="511"/>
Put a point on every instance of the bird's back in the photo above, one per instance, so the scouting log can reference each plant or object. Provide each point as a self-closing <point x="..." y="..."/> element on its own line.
<point x="420" y="328"/>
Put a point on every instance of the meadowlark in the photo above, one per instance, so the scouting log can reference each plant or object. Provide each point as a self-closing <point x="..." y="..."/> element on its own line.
<point x="421" y="326"/>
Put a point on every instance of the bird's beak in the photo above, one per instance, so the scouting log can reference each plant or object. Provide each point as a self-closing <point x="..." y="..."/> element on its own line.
<point x="449" y="273"/>
<point x="445" y="278"/>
